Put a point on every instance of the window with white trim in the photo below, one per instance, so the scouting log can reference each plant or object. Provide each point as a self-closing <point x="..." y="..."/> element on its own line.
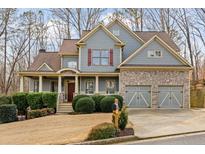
<point x="154" y="53"/>
<point x="89" y="87"/>
<point x="110" y="86"/>
<point x="72" y="64"/>
<point x="116" y="32"/>
<point x="100" y="57"/>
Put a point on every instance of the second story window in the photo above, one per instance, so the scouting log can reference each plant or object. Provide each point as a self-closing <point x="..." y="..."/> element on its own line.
<point x="72" y="64"/>
<point x="100" y="57"/>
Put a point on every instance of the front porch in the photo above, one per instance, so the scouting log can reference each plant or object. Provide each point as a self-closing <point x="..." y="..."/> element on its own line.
<point x="68" y="84"/>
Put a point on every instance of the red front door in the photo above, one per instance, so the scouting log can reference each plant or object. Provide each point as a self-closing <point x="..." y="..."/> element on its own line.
<point x="71" y="90"/>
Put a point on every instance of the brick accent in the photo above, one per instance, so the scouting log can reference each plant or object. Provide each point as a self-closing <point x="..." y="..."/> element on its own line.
<point x="156" y="78"/>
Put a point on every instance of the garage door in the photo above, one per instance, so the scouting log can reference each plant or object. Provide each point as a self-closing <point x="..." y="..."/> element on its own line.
<point x="138" y="96"/>
<point x="170" y="97"/>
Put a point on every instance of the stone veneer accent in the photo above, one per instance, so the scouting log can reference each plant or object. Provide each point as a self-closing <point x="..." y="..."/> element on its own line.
<point x="156" y="78"/>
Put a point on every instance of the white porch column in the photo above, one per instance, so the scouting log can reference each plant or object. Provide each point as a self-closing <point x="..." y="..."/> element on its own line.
<point x="21" y="83"/>
<point x="59" y="84"/>
<point x="97" y="84"/>
<point x="40" y="83"/>
<point x="76" y="84"/>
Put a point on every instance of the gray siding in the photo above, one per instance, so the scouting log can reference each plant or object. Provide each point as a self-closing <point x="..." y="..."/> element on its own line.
<point x="66" y="59"/>
<point x="167" y="58"/>
<point x="131" y="43"/>
<point x="99" y="40"/>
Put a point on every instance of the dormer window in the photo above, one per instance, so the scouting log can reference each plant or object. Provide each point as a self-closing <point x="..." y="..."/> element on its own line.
<point x="116" y="32"/>
<point x="72" y="64"/>
<point x="154" y="53"/>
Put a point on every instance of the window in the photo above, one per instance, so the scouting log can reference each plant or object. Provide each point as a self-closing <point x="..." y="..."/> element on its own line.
<point x="116" y="32"/>
<point x="90" y="87"/>
<point x="72" y="64"/>
<point x="54" y="86"/>
<point x="110" y="86"/>
<point x="35" y="85"/>
<point x="154" y="53"/>
<point x="100" y="57"/>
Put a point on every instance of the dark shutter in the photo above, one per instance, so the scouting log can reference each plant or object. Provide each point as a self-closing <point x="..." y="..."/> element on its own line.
<point x="89" y="57"/>
<point x="111" y="57"/>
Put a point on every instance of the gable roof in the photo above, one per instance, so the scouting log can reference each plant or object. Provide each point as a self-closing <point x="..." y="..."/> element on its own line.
<point x="146" y="35"/>
<point x="46" y="65"/>
<point x="123" y="25"/>
<point x="52" y="59"/>
<point x="155" y="37"/>
<point x="99" y="26"/>
<point x="69" y="47"/>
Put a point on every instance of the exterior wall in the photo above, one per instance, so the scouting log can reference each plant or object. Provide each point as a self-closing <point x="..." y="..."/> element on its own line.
<point x="132" y="44"/>
<point x="66" y="59"/>
<point x="156" y="78"/>
<point x="99" y="40"/>
<point x="167" y="58"/>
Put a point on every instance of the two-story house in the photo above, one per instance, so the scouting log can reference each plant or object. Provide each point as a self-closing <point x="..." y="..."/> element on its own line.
<point x="144" y="67"/>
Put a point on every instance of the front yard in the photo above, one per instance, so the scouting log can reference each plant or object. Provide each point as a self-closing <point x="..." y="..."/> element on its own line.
<point x="55" y="129"/>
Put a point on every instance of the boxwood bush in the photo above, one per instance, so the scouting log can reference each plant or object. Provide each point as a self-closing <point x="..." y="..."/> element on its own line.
<point x="49" y="99"/>
<point x="97" y="99"/>
<point x="5" y="100"/>
<point x="85" y="105"/>
<point x="102" y="131"/>
<point x="107" y="103"/>
<point x="123" y="119"/>
<point x="75" y="99"/>
<point x="8" y="113"/>
<point x="21" y="102"/>
<point x="34" y="100"/>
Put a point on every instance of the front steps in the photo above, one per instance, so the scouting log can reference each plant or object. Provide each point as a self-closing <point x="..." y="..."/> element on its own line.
<point x="65" y="108"/>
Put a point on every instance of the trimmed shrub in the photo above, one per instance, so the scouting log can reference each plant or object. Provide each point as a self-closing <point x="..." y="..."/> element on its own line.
<point x="75" y="99"/>
<point x="31" y="114"/>
<point x="106" y="103"/>
<point x="5" y="100"/>
<point x="49" y="99"/>
<point x="102" y="131"/>
<point x="97" y="99"/>
<point x="21" y="102"/>
<point x="123" y="119"/>
<point x="35" y="100"/>
<point x="120" y="99"/>
<point x="85" y="105"/>
<point x="8" y="113"/>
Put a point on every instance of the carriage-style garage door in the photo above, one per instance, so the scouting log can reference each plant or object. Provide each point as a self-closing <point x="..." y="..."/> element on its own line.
<point x="138" y="96"/>
<point x="170" y="97"/>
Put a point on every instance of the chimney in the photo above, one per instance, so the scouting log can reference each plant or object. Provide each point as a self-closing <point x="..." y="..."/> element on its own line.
<point x="42" y="50"/>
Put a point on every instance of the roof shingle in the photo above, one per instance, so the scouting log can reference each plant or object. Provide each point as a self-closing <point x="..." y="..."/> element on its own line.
<point x="69" y="47"/>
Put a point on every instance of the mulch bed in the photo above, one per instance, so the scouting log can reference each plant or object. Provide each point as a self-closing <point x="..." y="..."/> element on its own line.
<point x="125" y="132"/>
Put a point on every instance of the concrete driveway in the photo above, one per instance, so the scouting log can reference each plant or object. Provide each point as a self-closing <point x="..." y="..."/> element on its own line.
<point x="154" y="123"/>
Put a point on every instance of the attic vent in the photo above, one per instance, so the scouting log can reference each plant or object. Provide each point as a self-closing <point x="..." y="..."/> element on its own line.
<point x="116" y="32"/>
<point x="42" y="50"/>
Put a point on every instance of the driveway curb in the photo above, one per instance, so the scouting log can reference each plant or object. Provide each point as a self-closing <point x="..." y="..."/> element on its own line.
<point x="132" y="138"/>
<point x="170" y="135"/>
<point x="109" y="141"/>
